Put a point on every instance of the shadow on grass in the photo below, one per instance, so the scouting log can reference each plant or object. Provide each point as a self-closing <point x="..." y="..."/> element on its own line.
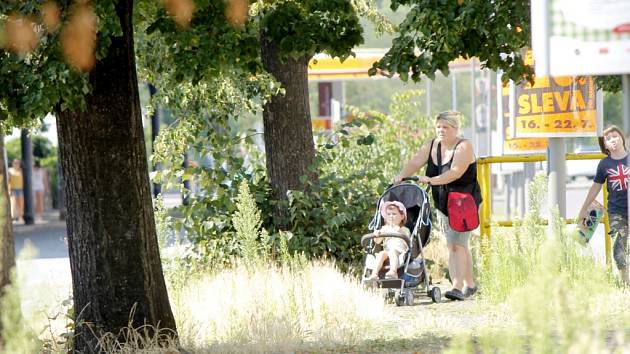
<point x="425" y="343"/>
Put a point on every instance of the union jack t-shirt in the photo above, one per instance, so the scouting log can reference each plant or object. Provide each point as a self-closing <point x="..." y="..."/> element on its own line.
<point x="617" y="176"/>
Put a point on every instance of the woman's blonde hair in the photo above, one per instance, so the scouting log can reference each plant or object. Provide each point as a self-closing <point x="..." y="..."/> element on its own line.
<point x="451" y="118"/>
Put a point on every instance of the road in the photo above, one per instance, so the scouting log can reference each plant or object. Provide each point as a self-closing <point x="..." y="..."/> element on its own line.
<point x="43" y="265"/>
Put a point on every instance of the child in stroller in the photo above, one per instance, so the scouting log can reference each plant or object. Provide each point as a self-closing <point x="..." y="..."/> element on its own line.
<point x="404" y="236"/>
<point x="395" y="216"/>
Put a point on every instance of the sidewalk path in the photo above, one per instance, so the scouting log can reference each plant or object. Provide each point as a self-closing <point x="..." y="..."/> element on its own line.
<point x="48" y="236"/>
<point x="43" y="266"/>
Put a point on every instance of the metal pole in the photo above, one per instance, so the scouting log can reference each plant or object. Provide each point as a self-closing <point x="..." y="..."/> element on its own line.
<point x="556" y="169"/>
<point x="507" y="186"/>
<point x="428" y="88"/>
<point x="489" y="112"/>
<point x="155" y="130"/>
<point x="625" y="84"/>
<point x="27" y="168"/>
<point x="472" y="102"/>
<point x="453" y="92"/>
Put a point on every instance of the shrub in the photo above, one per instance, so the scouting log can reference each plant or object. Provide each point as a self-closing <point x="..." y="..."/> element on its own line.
<point x="355" y="162"/>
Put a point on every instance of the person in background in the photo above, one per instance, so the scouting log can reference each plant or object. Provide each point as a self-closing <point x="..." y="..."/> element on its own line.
<point x="458" y="168"/>
<point x="16" y="190"/>
<point x="613" y="169"/>
<point x="40" y="189"/>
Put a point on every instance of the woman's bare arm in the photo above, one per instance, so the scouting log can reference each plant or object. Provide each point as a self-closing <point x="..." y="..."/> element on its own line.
<point x="416" y="163"/>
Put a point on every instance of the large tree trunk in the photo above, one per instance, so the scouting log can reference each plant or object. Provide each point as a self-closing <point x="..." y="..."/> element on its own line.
<point x="114" y="255"/>
<point x="287" y="121"/>
<point x="7" y="244"/>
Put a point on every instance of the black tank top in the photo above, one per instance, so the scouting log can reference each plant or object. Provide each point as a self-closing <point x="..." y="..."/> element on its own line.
<point x="466" y="183"/>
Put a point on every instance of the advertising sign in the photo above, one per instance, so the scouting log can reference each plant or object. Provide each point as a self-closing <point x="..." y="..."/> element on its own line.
<point x="557" y="107"/>
<point x="581" y="37"/>
<point x="512" y="145"/>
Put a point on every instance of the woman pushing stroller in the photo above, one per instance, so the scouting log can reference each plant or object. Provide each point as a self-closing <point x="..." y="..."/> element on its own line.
<point x="450" y="162"/>
<point x="395" y="216"/>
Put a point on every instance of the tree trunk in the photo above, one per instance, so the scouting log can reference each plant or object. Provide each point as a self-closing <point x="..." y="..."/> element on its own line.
<point x="7" y="244"/>
<point x="287" y="122"/>
<point x="112" y="241"/>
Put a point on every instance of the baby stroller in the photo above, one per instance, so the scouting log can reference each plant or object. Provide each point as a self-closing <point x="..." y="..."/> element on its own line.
<point x="412" y="271"/>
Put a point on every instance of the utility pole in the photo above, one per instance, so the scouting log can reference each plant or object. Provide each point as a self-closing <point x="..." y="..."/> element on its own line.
<point x="473" y="102"/>
<point x="27" y="174"/>
<point x="155" y="130"/>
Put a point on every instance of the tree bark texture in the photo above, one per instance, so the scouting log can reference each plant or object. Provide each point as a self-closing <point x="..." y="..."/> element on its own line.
<point x="289" y="143"/>
<point x="112" y="240"/>
<point x="7" y="244"/>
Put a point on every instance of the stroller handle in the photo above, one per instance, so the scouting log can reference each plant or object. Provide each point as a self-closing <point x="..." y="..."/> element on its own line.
<point x="410" y="178"/>
<point x="367" y="237"/>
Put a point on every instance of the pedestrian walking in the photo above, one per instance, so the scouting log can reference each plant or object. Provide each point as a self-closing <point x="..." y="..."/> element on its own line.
<point x="40" y="188"/>
<point x="16" y="190"/>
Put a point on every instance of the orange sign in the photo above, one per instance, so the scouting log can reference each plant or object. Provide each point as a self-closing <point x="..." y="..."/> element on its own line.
<point x="512" y="145"/>
<point x="321" y="123"/>
<point x="555" y="107"/>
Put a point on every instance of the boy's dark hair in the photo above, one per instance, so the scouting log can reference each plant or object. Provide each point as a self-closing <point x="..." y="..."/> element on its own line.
<point x="610" y="129"/>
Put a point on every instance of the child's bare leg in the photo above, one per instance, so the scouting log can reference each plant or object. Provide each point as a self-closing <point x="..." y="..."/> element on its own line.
<point x="380" y="259"/>
<point x="393" y="264"/>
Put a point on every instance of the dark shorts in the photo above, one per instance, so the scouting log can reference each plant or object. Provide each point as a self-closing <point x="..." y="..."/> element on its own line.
<point x="17" y="192"/>
<point x="619" y="231"/>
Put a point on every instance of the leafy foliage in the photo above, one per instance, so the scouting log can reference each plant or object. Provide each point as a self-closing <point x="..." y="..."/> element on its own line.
<point x="41" y="81"/>
<point x="211" y="45"/>
<point x="308" y="27"/>
<point x="356" y="162"/>
<point x="437" y="32"/>
<point x="247" y="222"/>
<point x="610" y="83"/>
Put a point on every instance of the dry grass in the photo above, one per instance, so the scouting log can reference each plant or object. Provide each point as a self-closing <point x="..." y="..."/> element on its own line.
<point x="276" y="310"/>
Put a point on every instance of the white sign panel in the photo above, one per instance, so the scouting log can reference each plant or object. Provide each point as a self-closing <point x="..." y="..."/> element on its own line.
<point x="581" y="37"/>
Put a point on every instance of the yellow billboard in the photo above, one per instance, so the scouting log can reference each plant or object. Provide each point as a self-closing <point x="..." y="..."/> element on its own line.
<point x="512" y="145"/>
<point x="556" y="107"/>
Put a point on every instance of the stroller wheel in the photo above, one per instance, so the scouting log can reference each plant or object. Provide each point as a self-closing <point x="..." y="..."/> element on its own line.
<point x="399" y="298"/>
<point x="435" y="294"/>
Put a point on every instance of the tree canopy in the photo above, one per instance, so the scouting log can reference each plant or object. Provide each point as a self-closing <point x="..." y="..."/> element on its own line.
<point x="435" y="32"/>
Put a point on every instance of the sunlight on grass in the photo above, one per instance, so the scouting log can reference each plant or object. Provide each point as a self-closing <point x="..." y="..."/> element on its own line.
<point x="275" y="308"/>
<point x="561" y="299"/>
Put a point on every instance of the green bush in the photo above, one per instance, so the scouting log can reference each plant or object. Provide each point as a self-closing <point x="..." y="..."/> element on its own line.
<point x="355" y="162"/>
